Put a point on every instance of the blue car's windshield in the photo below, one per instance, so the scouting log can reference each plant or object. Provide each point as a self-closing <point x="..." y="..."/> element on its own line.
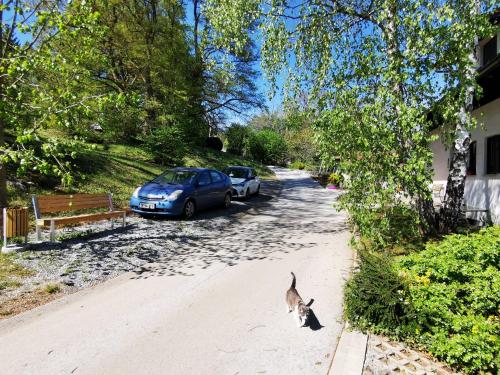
<point x="176" y="178"/>
<point x="236" y="172"/>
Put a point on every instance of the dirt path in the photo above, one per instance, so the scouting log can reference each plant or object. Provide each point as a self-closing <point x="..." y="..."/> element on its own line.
<point x="214" y="304"/>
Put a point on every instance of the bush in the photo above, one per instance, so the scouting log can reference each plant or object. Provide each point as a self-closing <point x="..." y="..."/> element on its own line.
<point x="301" y="145"/>
<point x="214" y="143"/>
<point x="236" y="138"/>
<point x="267" y="146"/>
<point x="167" y="144"/>
<point x="334" y="179"/>
<point x="389" y="227"/>
<point x="444" y="298"/>
<point x="374" y="296"/>
<point x="297" y="164"/>
<point x="455" y="292"/>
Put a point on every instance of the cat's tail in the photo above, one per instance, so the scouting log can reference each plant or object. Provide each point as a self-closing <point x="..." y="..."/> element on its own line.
<point x="293" y="281"/>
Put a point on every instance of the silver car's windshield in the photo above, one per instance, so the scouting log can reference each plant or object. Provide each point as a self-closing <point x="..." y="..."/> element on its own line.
<point x="176" y="178"/>
<point x="236" y="172"/>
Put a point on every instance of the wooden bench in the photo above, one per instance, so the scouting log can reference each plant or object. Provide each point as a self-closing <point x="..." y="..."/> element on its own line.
<point x="50" y="204"/>
<point x="483" y="219"/>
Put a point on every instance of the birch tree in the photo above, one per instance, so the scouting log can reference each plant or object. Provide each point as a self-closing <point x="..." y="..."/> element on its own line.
<point x="470" y="21"/>
<point x="374" y="68"/>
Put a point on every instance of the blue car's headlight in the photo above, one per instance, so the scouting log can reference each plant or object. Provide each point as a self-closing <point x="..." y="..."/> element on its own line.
<point x="135" y="194"/>
<point x="174" y="196"/>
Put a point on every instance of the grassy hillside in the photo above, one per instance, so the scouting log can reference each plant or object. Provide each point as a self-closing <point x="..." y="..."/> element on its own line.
<point x="120" y="169"/>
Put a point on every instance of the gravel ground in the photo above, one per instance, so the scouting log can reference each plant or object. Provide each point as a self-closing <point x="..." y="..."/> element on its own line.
<point x="89" y="254"/>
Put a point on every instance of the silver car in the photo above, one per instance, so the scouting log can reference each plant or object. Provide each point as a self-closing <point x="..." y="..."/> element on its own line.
<point x="244" y="180"/>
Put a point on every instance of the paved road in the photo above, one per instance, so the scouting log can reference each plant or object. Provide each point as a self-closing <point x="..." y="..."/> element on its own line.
<point x="222" y="316"/>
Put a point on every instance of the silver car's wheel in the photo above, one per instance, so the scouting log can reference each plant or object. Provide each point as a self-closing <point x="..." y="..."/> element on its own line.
<point x="247" y="194"/>
<point x="227" y="201"/>
<point x="257" y="191"/>
<point x="189" y="209"/>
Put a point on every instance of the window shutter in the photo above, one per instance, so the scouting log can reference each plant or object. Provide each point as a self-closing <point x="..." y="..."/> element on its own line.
<point x="493" y="155"/>
<point x="490" y="51"/>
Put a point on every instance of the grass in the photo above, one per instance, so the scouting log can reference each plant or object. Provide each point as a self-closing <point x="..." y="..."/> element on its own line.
<point x="119" y="169"/>
<point x="11" y="272"/>
<point x="52" y="288"/>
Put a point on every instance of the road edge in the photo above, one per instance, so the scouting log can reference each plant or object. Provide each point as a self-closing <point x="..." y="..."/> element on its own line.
<point x="350" y="353"/>
<point x="349" y="356"/>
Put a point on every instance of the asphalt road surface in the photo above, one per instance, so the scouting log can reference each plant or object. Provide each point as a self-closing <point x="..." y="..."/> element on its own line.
<point x="222" y="316"/>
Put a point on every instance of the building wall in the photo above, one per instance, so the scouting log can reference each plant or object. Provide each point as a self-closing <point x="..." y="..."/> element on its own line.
<point x="481" y="190"/>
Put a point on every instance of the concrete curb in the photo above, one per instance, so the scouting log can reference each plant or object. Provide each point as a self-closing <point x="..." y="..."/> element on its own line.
<point x="349" y="357"/>
<point x="350" y="353"/>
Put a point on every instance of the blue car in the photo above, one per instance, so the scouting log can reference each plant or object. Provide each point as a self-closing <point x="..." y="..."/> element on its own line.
<point x="181" y="192"/>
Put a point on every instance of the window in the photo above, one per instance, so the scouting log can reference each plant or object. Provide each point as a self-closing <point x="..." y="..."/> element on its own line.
<point x="490" y="51"/>
<point x="176" y="177"/>
<point x="493" y="155"/>
<point x="236" y="172"/>
<point x="215" y="176"/>
<point x="471" y="163"/>
<point x="204" y="179"/>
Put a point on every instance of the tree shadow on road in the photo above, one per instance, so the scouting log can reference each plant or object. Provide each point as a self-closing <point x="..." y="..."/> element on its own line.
<point x="283" y="219"/>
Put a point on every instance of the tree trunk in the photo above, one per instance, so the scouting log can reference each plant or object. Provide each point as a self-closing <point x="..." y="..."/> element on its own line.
<point x="451" y="210"/>
<point x="428" y="216"/>
<point x="197" y="70"/>
<point x="150" y="97"/>
<point x="3" y="174"/>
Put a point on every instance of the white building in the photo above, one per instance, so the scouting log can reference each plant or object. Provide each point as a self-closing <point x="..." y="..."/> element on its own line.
<point x="482" y="185"/>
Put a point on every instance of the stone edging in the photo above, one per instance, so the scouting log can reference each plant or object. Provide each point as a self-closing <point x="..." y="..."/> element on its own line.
<point x="350" y="353"/>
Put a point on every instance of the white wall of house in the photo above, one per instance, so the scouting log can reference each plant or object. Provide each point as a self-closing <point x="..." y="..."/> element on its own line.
<point x="481" y="190"/>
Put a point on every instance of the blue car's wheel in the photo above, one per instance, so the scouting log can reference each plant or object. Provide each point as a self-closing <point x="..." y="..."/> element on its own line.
<point x="227" y="200"/>
<point x="189" y="209"/>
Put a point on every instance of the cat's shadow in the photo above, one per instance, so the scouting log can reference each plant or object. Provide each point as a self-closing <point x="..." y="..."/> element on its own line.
<point x="312" y="320"/>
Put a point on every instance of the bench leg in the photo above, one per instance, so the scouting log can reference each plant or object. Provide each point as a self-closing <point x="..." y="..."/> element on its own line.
<point x="52" y="231"/>
<point x="112" y="223"/>
<point x="124" y="219"/>
<point x="38" y="232"/>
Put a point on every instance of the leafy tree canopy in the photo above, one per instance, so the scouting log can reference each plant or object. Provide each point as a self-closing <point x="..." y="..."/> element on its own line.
<point x="373" y="68"/>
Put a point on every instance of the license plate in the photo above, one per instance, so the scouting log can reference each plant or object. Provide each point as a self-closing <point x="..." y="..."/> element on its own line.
<point x="147" y="206"/>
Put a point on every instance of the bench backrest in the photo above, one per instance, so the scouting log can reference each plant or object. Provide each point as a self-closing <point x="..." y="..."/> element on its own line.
<point x="69" y="202"/>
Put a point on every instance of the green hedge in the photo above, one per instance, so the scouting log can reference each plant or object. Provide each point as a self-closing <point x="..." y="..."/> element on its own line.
<point x="267" y="146"/>
<point x="447" y="299"/>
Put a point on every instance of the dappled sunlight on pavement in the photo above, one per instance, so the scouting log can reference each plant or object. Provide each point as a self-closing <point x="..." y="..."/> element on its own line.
<point x="205" y="296"/>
